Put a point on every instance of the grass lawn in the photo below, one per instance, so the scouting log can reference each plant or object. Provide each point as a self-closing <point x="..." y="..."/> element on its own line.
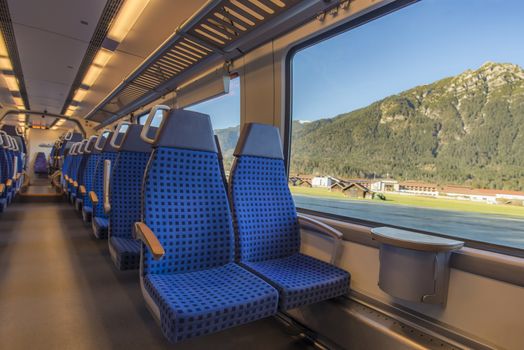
<point x="425" y="202"/>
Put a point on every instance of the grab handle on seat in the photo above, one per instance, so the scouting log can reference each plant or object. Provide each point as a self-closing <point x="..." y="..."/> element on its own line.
<point x="144" y="233"/>
<point x="107" y="178"/>
<point x="145" y="130"/>
<point x="117" y="132"/>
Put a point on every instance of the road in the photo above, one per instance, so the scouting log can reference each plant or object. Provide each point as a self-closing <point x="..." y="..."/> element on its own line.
<point x="490" y="228"/>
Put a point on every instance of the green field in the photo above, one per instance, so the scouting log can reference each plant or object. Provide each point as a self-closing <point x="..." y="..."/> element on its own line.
<point x="424" y="202"/>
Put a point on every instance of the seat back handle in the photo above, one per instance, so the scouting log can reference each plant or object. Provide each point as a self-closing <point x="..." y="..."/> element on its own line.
<point x="122" y="127"/>
<point x="144" y="135"/>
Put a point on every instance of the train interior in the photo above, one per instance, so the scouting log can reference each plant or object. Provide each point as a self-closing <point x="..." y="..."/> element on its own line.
<point x="264" y="174"/>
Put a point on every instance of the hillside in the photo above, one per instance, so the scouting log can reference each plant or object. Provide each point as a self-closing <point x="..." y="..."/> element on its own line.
<point x="467" y="129"/>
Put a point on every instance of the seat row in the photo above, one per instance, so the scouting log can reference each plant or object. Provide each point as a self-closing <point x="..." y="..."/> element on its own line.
<point x="12" y="165"/>
<point x="211" y="253"/>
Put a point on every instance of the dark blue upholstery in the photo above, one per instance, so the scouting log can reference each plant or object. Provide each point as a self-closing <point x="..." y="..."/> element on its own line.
<point x="196" y="286"/>
<point x="125" y="252"/>
<point x="301" y="279"/>
<point x="268" y="233"/>
<point x="40" y="166"/>
<point x="264" y="209"/>
<point x="126" y="203"/>
<point x="207" y="301"/>
<point x="100" y="226"/>
<point x="87" y="209"/>
<point x="186" y="207"/>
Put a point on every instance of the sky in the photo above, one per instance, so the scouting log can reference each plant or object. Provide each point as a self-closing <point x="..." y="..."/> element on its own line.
<point x="420" y="44"/>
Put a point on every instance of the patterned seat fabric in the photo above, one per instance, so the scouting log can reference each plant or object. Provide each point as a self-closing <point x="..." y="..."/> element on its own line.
<point x="125" y="252"/>
<point x="301" y="279"/>
<point x="268" y="233"/>
<point x="125" y="196"/>
<point x="202" y="302"/>
<point x="100" y="231"/>
<point x="196" y="286"/>
<point x="87" y="209"/>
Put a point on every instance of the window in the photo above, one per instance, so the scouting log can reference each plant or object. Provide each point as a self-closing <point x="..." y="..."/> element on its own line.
<point x="225" y="117"/>
<point x="416" y="120"/>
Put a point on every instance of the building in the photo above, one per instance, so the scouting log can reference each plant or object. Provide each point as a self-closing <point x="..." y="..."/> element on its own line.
<point x="323" y="181"/>
<point x="355" y="190"/>
<point x="419" y="188"/>
<point x="385" y="185"/>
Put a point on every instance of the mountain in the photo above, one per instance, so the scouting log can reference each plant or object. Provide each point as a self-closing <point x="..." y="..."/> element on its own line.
<point x="467" y="129"/>
<point x="228" y="138"/>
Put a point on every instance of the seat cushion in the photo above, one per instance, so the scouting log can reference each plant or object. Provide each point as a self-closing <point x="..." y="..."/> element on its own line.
<point x="196" y="303"/>
<point x="100" y="226"/>
<point x="301" y="279"/>
<point x="3" y="204"/>
<point x="87" y="213"/>
<point x="125" y="253"/>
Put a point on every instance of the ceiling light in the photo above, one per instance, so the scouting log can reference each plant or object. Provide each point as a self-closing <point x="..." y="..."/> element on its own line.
<point x="91" y="75"/>
<point x="19" y="102"/>
<point x="5" y="63"/>
<point x="62" y="121"/>
<point x="102" y="57"/>
<point x="3" y="48"/>
<point x="12" y="83"/>
<point x="54" y="128"/>
<point x="126" y="18"/>
<point x="79" y="96"/>
<point x="69" y="113"/>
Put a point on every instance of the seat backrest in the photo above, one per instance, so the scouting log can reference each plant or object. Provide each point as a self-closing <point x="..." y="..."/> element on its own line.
<point x="91" y="163"/>
<point x="106" y="152"/>
<point x="266" y="221"/>
<point x="127" y="174"/>
<point x="185" y="202"/>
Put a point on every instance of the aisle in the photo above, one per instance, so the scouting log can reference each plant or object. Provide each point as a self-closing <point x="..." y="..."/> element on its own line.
<point x="59" y="290"/>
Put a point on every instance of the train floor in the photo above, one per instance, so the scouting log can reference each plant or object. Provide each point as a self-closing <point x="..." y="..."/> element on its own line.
<point x="60" y="290"/>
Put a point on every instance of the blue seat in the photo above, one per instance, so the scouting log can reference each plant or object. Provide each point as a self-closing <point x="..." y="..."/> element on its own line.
<point x="100" y="222"/>
<point x="88" y="174"/>
<point x="127" y="174"/>
<point x="196" y="288"/>
<point x="267" y="224"/>
<point x="81" y="191"/>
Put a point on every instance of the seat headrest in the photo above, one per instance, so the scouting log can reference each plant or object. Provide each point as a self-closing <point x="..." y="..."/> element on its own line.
<point x="186" y="130"/>
<point x="101" y="142"/>
<point x="132" y="142"/>
<point x="259" y="140"/>
<point x="90" y="144"/>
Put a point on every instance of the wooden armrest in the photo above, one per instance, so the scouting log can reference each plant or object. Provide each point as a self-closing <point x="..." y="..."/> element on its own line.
<point x="2" y="188"/>
<point x="66" y="177"/>
<point x="314" y="225"/>
<point x="75" y="184"/>
<point x="144" y="233"/>
<point x="71" y="181"/>
<point x="93" y="197"/>
<point x="9" y="183"/>
<point x="82" y="190"/>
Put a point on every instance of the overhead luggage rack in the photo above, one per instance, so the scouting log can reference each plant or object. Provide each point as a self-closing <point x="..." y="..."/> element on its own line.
<point x="221" y="30"/>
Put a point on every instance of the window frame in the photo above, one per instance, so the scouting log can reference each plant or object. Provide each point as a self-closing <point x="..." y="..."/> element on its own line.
<point x="288" y="120"/>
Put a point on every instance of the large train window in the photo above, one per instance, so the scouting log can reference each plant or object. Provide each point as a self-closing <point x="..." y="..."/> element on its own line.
<point x="416" y="120"/>
<point x="225" y="116"/>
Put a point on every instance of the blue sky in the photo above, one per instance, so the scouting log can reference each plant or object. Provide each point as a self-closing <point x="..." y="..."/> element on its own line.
<point x="224" y="110"/>
<point x="416" y="45"/>
<point x="420" y="44"/>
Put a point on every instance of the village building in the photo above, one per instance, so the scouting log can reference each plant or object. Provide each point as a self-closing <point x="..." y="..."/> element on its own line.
<point x="385" y="185"/>
<point x="419" y="188"/>
<point x="356" y="190"/>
